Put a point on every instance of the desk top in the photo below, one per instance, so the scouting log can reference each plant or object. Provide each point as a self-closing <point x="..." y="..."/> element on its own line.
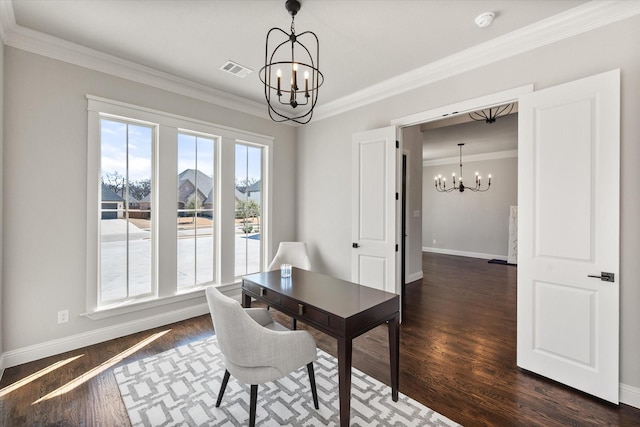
<point x="336" y="296"/>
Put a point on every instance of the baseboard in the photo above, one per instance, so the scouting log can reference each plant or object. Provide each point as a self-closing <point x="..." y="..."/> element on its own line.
<point x="630" y="395"/>
<point x="53" y="347"/>
<point x="413" y="277"/>
<point x="1" y="366"/>
<point x="464" y="253"/>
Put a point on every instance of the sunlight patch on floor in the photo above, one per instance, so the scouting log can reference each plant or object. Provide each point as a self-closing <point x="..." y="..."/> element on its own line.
<point x="8" y="389"/>
<point x="101" y="368"/>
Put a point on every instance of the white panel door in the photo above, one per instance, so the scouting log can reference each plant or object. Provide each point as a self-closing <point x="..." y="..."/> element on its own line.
<point x="374" y="168"/>
<point x="568" y="230"/>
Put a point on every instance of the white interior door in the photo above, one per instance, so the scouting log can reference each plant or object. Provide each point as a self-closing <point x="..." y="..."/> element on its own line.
<point x="374" y="209"/>
<point x="568" y="197"/>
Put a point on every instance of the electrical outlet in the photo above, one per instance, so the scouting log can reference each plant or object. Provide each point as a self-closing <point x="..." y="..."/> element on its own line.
<point x="435" y="241"/>
<point x="63" y="316"/>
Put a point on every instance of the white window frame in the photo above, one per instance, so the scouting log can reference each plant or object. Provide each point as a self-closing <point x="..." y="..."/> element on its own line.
<point x="164" y="204"/>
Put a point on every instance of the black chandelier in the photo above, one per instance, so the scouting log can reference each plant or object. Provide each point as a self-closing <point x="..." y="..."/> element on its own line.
<point x="285" y="68"/>
<point x="492" y="114"/>
<point x="441" y="183"/>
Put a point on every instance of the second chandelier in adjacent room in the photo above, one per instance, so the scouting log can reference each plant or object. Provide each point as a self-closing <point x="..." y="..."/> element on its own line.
<point x="441" y="182"/>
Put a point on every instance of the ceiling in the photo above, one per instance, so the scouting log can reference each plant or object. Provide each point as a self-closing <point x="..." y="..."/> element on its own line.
<point x="440" y="140"/>
<point x="362" y="43"/>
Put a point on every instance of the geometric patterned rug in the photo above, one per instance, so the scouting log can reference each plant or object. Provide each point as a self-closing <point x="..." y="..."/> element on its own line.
<point x="179" y="388"/>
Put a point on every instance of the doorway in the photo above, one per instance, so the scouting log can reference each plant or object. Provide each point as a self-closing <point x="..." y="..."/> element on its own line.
<point x="575" y="124"/>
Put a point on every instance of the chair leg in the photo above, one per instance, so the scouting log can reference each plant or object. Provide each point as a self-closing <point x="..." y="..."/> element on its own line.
<point x="252" y="405"/>
<point x="223" y="386"/>
<point x="312" y="379"/>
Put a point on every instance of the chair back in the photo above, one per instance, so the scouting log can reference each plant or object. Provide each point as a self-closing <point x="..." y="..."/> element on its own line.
<point x="294" y="253"/>
<point x="237" y="332"/>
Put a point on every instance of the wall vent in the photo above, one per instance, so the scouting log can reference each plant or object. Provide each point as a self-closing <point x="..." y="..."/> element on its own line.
<point x="236" y="69"/>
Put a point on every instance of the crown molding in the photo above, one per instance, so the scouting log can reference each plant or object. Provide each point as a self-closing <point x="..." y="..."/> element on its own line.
<point x="7" y="19"/>
<point x="575" y="21"/>
<point x="52" y="47"/>
<point x="471" y="158"/>
<point x="581" y="19"/>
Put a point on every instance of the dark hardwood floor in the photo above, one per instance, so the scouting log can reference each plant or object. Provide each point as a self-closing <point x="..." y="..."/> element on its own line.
<point x="457" y="356"/>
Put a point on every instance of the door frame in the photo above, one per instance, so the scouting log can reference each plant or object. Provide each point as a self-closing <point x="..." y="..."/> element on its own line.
<point x="462" y="107"/>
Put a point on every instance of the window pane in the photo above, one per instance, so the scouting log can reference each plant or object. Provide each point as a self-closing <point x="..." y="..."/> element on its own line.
<point x="248" y="191"/>
<point x="125" y="221"/>
<point x="195" y="214"/>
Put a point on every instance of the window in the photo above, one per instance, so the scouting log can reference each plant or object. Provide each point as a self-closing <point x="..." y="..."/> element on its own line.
<point x="125" y="218"/>
<point x="248" y="212"/>
<point x="168" y="210"/>
<point x="196" y="203"/>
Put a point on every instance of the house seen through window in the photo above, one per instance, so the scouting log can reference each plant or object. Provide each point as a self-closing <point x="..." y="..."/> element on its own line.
<point x="196" y="210"/>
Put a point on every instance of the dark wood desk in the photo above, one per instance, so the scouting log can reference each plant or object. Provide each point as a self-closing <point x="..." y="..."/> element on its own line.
<point x="341" y="309"/>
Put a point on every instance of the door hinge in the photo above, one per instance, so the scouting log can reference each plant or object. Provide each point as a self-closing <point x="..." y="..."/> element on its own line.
<point x="396" y="248"/>
<point x="397" y="196"/>
<point x="397" y="144"/>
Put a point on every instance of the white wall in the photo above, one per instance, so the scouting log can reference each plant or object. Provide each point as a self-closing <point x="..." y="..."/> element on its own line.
<point x="45" y="197"/>
<point x="324" y="155"/>
<point x="2" y="322"/>
<point x="470" y="224"/>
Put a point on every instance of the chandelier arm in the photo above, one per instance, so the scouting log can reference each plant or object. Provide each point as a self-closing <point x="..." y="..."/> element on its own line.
<point x="503" y="109"/>
<point x="481" y="117"/>
<point x="269" y="60"/>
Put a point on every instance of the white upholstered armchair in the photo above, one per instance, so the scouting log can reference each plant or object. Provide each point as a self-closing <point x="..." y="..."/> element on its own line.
<point x="255" y="349"/>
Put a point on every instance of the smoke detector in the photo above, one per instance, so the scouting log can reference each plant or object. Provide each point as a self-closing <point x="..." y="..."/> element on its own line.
<point x="485" y="19"/>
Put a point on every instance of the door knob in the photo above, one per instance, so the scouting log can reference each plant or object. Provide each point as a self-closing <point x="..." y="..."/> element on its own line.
<point x="355" y="245"/>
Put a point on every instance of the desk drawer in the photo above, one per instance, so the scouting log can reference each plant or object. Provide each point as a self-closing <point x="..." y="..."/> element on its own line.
<point x="306" y="312"/>
<point x="265" y="293"/>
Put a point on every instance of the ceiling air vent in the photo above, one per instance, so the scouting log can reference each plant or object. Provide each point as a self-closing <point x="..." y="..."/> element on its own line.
<point x="236" y="69"/>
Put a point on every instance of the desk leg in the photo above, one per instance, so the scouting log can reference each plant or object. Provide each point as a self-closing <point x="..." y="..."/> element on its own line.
<point x="344" y="379"/>
<point x="246" y="300"/>
<point x="394" y="356"/>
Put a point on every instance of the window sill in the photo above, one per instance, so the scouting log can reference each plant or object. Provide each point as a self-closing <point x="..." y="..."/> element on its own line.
<point x="114" y="310"/>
